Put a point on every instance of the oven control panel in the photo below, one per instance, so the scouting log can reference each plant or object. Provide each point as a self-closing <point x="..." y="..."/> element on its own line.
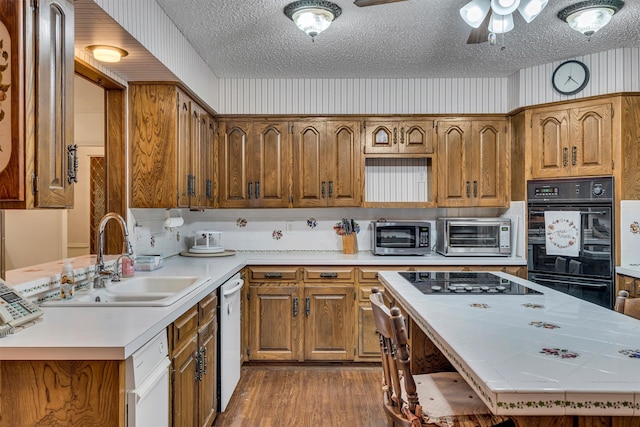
<point x="571" y="190"/>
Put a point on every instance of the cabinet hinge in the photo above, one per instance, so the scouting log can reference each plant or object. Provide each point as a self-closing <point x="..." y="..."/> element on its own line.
<point x="613" y="164"/>
<point x="613" y="111"/>
<point x="34" y="183"/>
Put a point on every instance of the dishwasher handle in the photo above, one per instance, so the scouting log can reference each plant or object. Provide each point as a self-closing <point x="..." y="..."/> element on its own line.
<point x="239" y="285"/>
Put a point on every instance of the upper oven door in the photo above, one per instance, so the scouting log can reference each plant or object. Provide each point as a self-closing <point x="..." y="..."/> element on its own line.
<point x="595" y="257"/>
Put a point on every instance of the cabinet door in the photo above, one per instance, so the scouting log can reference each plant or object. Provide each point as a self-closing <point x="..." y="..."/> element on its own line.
<point x="311" y="187"/>
<point x="207" y="396"/>
<point x="234" y="146"/>
<point x="196" y="134"/>
<point x="274" y="322"/>
<point x="488" y="163"/>
<point x="416" y="137"/>
<point x="268" y="165"/>
<point x="454" y="183"/>
<point x="591" y="142"/>
<point x="549" y="140"/>
<point x="368" y="342"/>
<point x="207" y="161"/>
<point x="381" y="137"/>
<point x="184" y="391"/>
<point x="56" y="153"/>
<point x="342" y="163"/>
<point x="183" y="152"/>
<point x="329" y="323"/>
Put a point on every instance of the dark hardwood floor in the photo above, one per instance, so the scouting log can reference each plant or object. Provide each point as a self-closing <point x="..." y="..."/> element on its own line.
<point x="306" y="395"/>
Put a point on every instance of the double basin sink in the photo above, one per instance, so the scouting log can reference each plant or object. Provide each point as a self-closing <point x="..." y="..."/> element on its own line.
<point x="144" y="291"/>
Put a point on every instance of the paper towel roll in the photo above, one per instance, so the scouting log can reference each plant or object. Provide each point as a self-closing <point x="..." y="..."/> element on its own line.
<point x="173" y="222"/>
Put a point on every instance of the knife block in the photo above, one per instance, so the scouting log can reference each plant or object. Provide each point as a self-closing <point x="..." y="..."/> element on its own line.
<point x="349" y="244"/>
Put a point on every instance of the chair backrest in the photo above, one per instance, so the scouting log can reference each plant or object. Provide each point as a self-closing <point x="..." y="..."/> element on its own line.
<point x="394" y="350"/>
<point x="625" y="305"/>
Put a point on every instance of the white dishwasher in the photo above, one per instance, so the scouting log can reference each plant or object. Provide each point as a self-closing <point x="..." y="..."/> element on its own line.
<point x="230" y="353"/>
<point x="148" y="384"/>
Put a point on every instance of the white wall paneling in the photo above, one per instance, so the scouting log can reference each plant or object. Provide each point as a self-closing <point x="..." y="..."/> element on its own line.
<point x="396" y="180"/>
<point x="362" y="96"/>
<point x="147" y="22"/>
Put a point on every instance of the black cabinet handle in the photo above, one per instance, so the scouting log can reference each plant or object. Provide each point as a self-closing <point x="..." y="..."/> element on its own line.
<point x="257" y="189"/>
<point x="330" y="189"/>
<point x="468" y="189"/>
<point x="574" y="155"/>
<point x="565" y="155"/>
<point x="475" y="188"/>
<point x="295" y="306"/>
<point x="72" y="163"/>
<point x="198" y="366"/>
<point x="307" y="306"/>
<point x="401" y="135"/>
<point x="273" y="274"/>
<point x="322" y="190"/>
<point x="204" y="360"/>
<point x="329" y="275"/>
<point x="250" y="189"/>
<point x="395" y="135"/>
<point x="209" y="189"/>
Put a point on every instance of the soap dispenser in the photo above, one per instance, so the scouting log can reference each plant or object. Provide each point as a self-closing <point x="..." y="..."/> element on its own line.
<point x="67" y="280"/>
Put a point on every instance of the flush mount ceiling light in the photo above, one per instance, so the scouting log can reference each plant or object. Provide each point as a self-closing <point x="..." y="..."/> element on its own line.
<point x="312" y="16"/>
<point x="104" y="53"/>
<point x="588" y="17"/>
<point x="501" y="20"/>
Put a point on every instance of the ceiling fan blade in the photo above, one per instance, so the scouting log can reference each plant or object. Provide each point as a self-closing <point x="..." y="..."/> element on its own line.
<point x="363" y="3"/>
<point x="480" y="34"/>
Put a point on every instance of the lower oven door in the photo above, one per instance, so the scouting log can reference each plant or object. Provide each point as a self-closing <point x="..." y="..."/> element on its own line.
<point x="596" y="291"/>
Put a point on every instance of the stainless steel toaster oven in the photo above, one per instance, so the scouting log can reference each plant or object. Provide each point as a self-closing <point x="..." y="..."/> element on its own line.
<point x="473" y="236"/>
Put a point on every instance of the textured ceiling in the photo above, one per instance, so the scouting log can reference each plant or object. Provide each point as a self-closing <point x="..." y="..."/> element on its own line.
<point x="410" y="39"/>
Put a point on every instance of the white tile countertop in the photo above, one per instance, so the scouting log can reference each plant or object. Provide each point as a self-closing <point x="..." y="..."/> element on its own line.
<point x="532" y="354"/>
<point x="114" y="333"/>
<point x="629" y="271"/>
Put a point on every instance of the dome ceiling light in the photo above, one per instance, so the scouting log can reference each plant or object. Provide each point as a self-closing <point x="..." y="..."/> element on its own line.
<point x="589" y="16"/>
<point x="312" y="16"/>
<point x="104" y="53"/>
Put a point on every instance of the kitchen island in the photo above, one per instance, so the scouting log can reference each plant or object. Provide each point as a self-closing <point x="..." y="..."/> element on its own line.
<point x="544" y="354"/>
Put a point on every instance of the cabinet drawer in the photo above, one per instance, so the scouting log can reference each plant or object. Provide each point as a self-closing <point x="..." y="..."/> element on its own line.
<point x="207" y="307"/>
<point x="325" y="274"/>
<point x="274" y="274"/>
<point x="370" y="274"/>
<point x="183" y="329"/>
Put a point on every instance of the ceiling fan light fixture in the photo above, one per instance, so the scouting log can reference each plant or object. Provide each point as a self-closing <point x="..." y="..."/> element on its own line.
<point x="530" y="9"/>
<point x="312" y="16"/>
<point x="504" y="7"/>
<point x="104" y="53"/>
<point x="500" y="23"/>
<point x="587" y="17"/>
<point x="474" y="12"/>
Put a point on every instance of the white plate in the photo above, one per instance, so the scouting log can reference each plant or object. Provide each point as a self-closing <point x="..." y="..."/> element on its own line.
<point x="201" y="249"/>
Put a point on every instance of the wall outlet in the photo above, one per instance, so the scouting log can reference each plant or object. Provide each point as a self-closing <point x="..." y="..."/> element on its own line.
<point x="289" y="227"/>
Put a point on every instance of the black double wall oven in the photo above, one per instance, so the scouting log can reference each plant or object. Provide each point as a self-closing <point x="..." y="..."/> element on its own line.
<point x="571" y="236"/>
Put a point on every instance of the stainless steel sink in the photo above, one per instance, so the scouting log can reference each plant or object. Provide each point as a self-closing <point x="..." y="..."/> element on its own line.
<point x="146" y="291"/>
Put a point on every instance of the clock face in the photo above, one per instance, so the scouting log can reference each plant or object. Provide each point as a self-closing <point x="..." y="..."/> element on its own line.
<point x="570" y="77"/>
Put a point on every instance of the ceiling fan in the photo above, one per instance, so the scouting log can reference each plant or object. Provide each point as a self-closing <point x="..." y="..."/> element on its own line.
<point x="490" y="17"/>
<point x="363" y="3"/>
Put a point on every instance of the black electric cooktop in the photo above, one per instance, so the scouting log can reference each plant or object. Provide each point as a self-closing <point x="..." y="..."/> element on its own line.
<point x="460" y="283"/>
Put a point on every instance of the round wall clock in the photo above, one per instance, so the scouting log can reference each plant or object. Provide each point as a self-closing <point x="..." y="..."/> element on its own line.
<point x="570" y="77"/>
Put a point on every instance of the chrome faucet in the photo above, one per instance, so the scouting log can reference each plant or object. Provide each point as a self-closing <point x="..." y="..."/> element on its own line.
<point x="101" y="273"/>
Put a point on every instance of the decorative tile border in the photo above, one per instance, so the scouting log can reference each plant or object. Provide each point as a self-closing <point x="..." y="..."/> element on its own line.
<point x="634" y="354"/>
<point x="562" y="353"/>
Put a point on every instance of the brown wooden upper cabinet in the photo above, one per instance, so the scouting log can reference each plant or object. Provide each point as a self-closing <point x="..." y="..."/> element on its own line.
<point x="572" y="141"/>
<point x="172" y="149"/>
<point x="326" y="164"/>
<point x="473" y="163"/>
<point x="254" y="164"/>
<point x="38" y="157"/>
<point x="395" y="136"/>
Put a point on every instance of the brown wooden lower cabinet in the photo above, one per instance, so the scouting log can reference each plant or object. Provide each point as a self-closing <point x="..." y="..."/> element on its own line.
<point x="62" y="392"/>
<point x="193" y="343"/>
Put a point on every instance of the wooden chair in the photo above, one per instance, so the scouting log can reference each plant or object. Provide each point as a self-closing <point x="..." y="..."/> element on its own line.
<point x="445" y="397"/>
<point x="630" y="307"/>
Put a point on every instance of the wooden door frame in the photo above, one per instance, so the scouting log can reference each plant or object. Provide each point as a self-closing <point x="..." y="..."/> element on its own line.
<point x="115" y="148"/>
